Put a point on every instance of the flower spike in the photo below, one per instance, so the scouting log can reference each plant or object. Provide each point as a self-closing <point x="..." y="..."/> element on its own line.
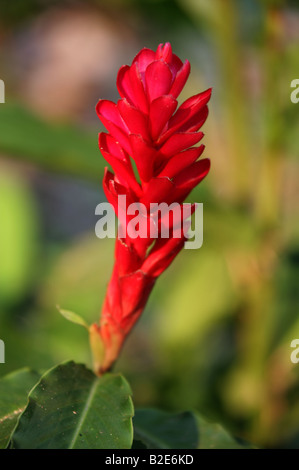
<point x="146" y="126"/>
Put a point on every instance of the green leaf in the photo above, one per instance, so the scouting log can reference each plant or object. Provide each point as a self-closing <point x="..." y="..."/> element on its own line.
<point x="161" y="430"/>
<point x="214" y="436"/>
<point x="71" y="408"/>
<point x="154" y="429"/>
<point x="72" y="317"/>
<point x="14" y="389"/>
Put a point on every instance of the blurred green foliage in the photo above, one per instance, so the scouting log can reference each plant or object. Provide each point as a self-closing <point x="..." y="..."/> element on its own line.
<point x="54" y="147"/>
<point x="215" y="336"/>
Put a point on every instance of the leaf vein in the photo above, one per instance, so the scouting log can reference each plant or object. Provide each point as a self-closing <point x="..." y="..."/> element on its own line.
<point x="84" y="413"/>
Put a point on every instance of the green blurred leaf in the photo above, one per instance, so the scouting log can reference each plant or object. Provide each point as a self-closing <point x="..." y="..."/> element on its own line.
<point x="81" y="290"/>
<point x="201" y="293"/>
<point x="284" y="318"/>
<point x="71" y="408"/>
<point x="18" y="237"/>
<point x="161" y="430"/>
<point x="204" y="11"/>
<point x="59" y="148"/>
<point x="214" y="436"/>
<point x="14" y="389"/>
<point x="72" y="317"/>
<point x="157" y="429"/>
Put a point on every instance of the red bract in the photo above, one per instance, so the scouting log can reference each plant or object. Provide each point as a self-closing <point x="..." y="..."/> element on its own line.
<point x="146" y="126"/>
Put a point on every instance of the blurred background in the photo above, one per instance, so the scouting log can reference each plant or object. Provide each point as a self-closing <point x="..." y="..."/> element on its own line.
<point x="216" y="334"/>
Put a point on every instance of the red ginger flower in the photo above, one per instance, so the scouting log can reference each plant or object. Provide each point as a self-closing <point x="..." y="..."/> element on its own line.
<point x="146" y="126"/>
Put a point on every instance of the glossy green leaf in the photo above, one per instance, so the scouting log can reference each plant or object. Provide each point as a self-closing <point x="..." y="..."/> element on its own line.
<point x="161" y="430"/>
<point x="71" y="408"/>
<point x="14" y="389"/>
